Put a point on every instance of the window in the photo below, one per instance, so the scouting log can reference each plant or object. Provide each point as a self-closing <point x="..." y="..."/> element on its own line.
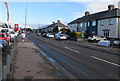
<point x="93" y="23"/>
<point x="101" y="22"/>
<point x="111" y="21"/>
<point x="88" y="24"/>
<point x="85" y="24"/>
<point x="72" y="25"/>
<point x="81" y="24"/>
<point x="75" y="25"/>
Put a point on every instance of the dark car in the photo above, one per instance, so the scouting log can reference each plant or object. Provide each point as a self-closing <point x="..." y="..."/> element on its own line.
<point x="3" y="45"/>
<point x="44" y="35"/>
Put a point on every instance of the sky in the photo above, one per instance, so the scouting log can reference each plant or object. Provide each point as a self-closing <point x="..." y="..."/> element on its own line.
<point x="41" y="12"/>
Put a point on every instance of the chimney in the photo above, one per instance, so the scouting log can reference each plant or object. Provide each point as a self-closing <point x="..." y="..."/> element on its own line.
<point x="53" y="22"/>
<point x="58" y="21"/>
<point x="110" y="7"/>
<point x="87" y="13"/>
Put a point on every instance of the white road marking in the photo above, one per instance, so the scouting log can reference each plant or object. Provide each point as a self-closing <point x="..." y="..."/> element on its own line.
<point x="55" y="44"/>
<point x="72" y="49"/>
<point x="105" y="61"/>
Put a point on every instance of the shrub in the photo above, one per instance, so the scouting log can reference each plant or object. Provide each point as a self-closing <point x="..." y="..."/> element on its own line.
<point x="76" y="34"/>
<point x="55" y="30"/>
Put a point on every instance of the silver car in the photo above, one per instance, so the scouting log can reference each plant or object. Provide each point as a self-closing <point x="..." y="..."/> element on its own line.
<point x="95" y="38"/>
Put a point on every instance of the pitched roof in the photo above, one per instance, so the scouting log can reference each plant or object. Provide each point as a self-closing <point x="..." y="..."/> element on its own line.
<point x="58" y="24"/>
<point x="100" y="15"/>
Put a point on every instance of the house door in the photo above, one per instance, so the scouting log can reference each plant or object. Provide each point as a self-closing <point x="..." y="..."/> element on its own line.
<point x="106" y="33"/>
<point x="83" y="34"/>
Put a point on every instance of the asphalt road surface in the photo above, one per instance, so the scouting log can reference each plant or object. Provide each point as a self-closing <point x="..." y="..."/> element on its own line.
<point x="79" y="61"/>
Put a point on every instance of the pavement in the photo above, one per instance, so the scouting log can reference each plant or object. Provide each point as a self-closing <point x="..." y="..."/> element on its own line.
<point x="30" y="64"/>
<point x="110" y="49"/>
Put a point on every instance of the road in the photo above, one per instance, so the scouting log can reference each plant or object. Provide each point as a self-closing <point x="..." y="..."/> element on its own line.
<point x="79" y="61"/>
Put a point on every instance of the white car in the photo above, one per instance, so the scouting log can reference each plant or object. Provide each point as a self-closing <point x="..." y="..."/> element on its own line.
<point x="104" y="43"/>
<point x="95" y="38"/>
<point x="38" y="34"/>
<point x="60" y="36"/>
<point x="50" y="35"/>
<point x="116" y="43"/>
<point x="12" y="34"/>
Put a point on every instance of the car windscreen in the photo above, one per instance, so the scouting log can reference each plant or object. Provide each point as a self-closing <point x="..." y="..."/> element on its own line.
<point x="12" y="33"/>
<point x="4" y="30"/>
<point x="62" y="35"/>
<point x="2" y="35"/>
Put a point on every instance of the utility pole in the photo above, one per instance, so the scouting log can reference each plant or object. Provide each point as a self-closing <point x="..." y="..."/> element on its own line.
<point x="25" y="16"/>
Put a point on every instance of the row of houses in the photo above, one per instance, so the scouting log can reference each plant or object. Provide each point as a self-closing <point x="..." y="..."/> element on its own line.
<point x="58" y="25"/>
<point x="105" y="23"/>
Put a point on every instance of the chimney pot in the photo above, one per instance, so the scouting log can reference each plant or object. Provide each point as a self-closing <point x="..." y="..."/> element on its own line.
<point x="87" y="13"/>
<point x="58" y="21"/>
<point x="110" y="7"/>
<point x="53" y="22"/>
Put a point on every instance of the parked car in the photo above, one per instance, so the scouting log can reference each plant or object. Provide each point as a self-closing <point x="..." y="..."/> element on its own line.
<point x="38" y="34"/>
<point x="44" y="34"/>
<point x="3" y="45"/>
<point x="50" y="35"/>
<point x="105" y="43"/>
<point x="12" y="34"/>
<point x="60" y="36"/>
<point x="117" y="43"/>
<point x="3" y="42"/>
<point x="95" y="38"/>
<point x="4" y="37"/>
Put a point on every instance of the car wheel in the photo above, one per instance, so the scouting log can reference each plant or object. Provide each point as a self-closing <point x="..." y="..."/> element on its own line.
<point x="89" y="41"/>
<point x="94" y="40"/>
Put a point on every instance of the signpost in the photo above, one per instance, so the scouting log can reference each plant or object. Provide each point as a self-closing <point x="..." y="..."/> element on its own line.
<point x="16" y="27"/>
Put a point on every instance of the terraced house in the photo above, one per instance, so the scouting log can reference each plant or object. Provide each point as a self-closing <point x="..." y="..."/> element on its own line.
<point x="109" y="23"/>
<point x="105" y="23"/>
<point x="85" y="23"/>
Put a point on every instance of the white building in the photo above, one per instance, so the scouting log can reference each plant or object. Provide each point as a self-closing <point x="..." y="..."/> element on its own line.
<point x="119" y="4"/>
<point x="54" y="25"/>
<point x="109" y="24"/>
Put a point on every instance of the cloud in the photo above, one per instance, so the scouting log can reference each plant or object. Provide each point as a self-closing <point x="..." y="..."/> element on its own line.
<point x="60" y="19"/>
<point x="60" y="0"/>
<point x="77" y="15"/>
<point x="99" y="6"/>
<point x="94" y="7"/>
<point x="94" y="0"/>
